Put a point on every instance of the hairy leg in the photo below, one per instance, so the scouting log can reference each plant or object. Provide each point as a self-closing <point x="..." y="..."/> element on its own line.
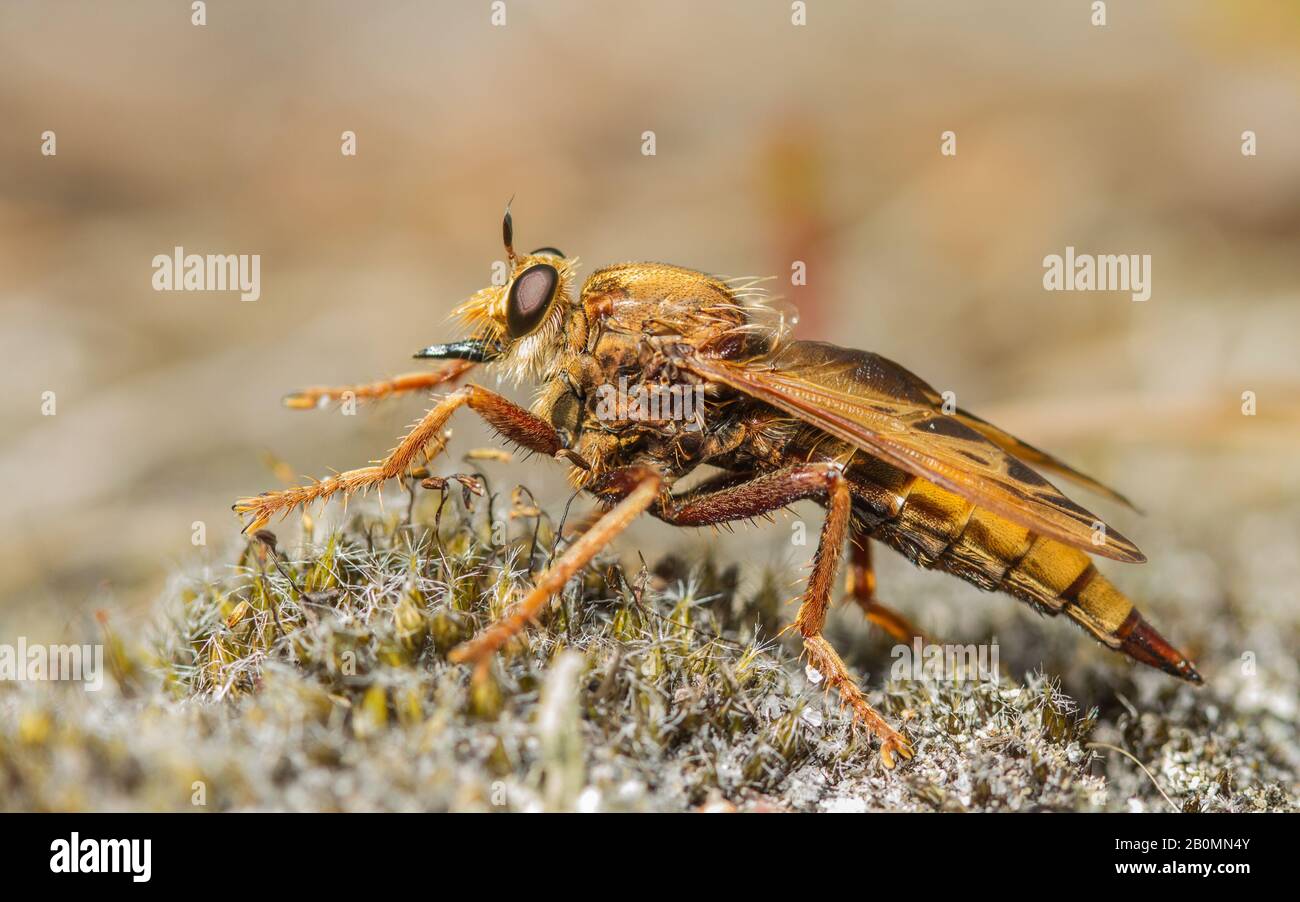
<point x="763" y="495"/>
<point x="319" y="395"/>
<point x="508" y="418"/>
<point x="861" y="585"/>
<point x="638" y="498"/>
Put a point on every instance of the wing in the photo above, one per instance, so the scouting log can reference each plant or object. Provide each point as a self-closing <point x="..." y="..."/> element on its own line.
<point x="890" y="413"/>
<point x="1040" y="459"/>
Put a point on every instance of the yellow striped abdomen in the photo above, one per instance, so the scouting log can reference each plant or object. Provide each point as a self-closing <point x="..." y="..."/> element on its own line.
<point x="939" y="529"/>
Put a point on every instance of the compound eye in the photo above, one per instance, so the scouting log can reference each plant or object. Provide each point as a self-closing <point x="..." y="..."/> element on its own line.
<point x="548" y="252"/>
<point x="530" y="297"/>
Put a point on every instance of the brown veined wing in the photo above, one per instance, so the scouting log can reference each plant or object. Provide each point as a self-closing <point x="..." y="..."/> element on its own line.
<point x="882" y="408"/>
<point x="1034" y="457"/>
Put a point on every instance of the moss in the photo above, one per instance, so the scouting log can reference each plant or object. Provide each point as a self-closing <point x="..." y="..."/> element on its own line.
<point x="315" y="677"/>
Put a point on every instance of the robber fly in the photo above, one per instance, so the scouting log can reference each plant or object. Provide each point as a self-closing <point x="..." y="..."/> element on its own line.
<point x="782" y="420"/>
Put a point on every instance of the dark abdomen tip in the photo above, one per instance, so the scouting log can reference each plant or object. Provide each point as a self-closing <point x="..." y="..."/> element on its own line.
<point x="1140" y="641"/>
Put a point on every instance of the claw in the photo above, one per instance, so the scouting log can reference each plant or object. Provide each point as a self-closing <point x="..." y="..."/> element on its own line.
<point x="307" y="399"/>
<point x="891" y="746"/>
<point x="470" y="485"/>
<point x="574" y="458"/>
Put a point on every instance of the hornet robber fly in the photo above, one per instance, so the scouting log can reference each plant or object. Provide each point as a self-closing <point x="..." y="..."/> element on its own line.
<point x="782" y="420"/>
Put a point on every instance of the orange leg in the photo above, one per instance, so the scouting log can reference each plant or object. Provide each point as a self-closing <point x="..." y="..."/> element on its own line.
<point x="320" y="395"/>
<point x="772" y="492"/>
<point x="511" y="420"/>
<point x="811" y="619"/>
<point x="579" y="554"/>
<point x="861" y="585"/>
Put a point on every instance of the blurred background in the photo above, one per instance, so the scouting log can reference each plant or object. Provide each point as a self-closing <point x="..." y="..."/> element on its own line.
<point x="774" y="142"/>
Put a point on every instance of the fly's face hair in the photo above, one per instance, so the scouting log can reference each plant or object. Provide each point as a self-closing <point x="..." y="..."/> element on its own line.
<point x="521" y="324"/>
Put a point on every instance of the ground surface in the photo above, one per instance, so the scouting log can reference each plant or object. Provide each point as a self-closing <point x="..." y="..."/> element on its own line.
<point x="316" y="678"/>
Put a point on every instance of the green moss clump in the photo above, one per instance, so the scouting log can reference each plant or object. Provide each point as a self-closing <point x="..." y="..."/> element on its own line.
<point x="315" y="677"/>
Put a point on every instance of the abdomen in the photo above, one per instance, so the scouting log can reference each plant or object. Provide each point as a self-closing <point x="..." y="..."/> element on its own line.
<point x="938" y="529"/>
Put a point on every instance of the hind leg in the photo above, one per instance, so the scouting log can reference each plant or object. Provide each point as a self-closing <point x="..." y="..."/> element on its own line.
<point x="769" y="493"/>
<point x="861" y="586"/>
<point x="811" y="619"/>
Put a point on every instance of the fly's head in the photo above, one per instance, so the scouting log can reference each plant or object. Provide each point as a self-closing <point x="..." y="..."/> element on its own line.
<point x="522" y="323"/>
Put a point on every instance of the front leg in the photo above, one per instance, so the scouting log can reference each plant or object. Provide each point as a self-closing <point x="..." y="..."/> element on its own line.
<point x="763" y="495"/>
<point x="321" y="395"/>
<point x="508" y="418"/>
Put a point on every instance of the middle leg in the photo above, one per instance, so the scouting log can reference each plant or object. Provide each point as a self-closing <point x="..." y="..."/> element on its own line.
<point x="579" y="554"/>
